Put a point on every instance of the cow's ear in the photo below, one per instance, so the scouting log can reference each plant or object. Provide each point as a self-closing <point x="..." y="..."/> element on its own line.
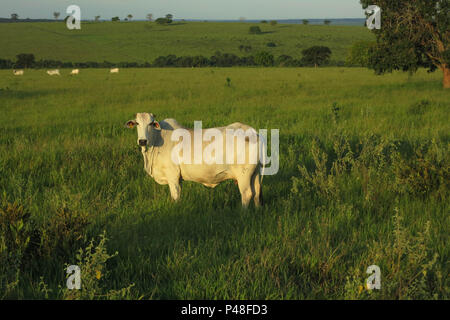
<point x="130" y="124"/>
<point x="156" y="125"/>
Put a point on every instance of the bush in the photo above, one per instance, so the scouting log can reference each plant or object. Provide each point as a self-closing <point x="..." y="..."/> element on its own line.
<point x="255" y="30"/>
<point x="273" y="22"/>
<point x="6" y="64"/>
<point x="358" y="54"/>
<point x="264" y="59"/>
<point x="271" y="44"/>
<point x="246" y="48"/>
<point x="92" y="263"/>
<point x="17" y="232"/>
<point x="287" y="61"/>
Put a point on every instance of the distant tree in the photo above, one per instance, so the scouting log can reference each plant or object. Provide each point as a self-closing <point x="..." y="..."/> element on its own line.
<point x="273" y="22"/>
<point x="327" y="22"/>
<point x="413" y="34"/>
<point x="254" y="30"/>
<point x="263" y="21"/>
<point x="129" y="16"/>
<point x="25" y="60"/>
<point x="14" y="16"/>
<point x="56" y="15"/>
<point x="316" y="56"/>
<point x="305" y="21"/>
<point x="163" y="21"/>
<point x="97" y="18"/>
<point x="264" y="59"/>
<point x="150" y="16"/>
<point x="115" y="19"/>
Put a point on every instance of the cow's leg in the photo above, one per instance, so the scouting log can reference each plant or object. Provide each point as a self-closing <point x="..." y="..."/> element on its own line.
<point x="175" y="190"/>
<point x="256" y="188"/>
<point x="246" y="191"/>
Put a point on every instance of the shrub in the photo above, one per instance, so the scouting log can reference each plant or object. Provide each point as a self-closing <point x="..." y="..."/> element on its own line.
<point x="273" y="22"/>
<point x="271" y="44"/>
<point x="17" y="232"/>
<point x="419" y="108"/>
<point x="92" y="263"/>
<point x="358" y="54"/>
<point x="64" y="233"/>
<point x="6" y="64"/>
<point x="428" y="172"/>
<point x="264" y="59"/>
<point x="286" y="61"/>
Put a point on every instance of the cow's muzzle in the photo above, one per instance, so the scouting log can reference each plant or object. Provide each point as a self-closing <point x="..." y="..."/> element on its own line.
<point x="143" y="143"/>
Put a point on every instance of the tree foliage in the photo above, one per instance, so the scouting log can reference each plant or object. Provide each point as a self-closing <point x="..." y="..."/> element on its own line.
<point x="413" y="34"/>
<point x="316" y="56"/>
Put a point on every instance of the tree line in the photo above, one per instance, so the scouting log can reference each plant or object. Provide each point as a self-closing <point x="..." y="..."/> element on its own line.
<point x="314" y="56"/>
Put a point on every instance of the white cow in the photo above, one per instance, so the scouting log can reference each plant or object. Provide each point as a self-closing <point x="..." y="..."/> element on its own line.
<point x="18" y="72"/>
<point x="53" y="72"/>
<point x="155" y="140"/>
<point x="114" y="70"/>
<point x="75" y="71"/>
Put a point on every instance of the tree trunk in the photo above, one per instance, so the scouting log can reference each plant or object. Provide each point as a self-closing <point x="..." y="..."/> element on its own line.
<point x="446" y="70"/>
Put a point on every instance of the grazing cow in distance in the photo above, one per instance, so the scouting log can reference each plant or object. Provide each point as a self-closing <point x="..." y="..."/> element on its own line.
<point x="53" y="72"/>
<point x="157" y="146"/>
<point x="18" y="72"/>
<point x="114" y="70"/>
<point x="75" y="71"/>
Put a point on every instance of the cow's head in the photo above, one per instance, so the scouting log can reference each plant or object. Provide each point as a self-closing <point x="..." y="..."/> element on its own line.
<point x="146" y="124"/>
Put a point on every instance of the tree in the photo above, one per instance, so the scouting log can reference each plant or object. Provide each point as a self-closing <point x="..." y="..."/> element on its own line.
<point x="150" y="16"/>
<point x="273" y="22"/>
<point x="316" y="56"/>
<point x="254" y="30"/>
<point x="97" y="18"/>
<point x="327" y="22"/>
<point x="56" y="15"/>
<point x="129" y="16"/>
<point x="413" y="34"/>
<point x="14" y="16"/>
<point x="305" y="22"/>
<point x="115" y="19"/>
<point x="163" y="21"/>
<point x="25" y="60"/>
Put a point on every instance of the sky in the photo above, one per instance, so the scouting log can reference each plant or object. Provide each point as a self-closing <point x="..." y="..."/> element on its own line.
<point x="187" y="9"/>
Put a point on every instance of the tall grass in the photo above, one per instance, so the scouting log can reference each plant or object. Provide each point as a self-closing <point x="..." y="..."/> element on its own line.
<point x="363" y="179"/>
